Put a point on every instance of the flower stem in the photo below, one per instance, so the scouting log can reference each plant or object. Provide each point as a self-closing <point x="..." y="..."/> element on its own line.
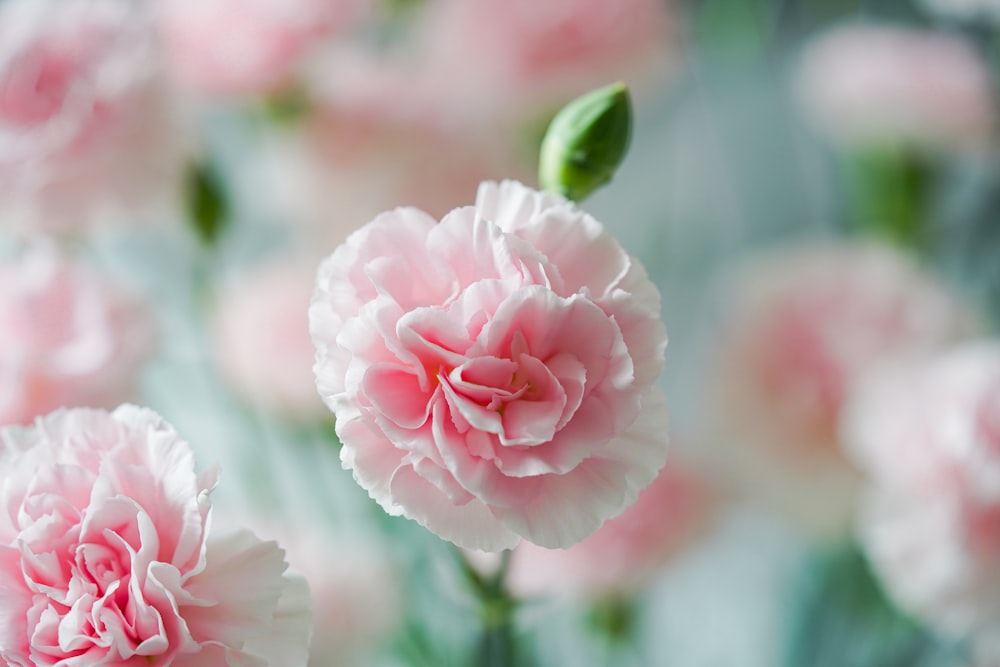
<point x="496" y="646"/>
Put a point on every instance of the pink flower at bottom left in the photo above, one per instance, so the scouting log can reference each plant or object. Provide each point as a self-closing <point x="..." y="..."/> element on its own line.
<point x="106" y="557"/>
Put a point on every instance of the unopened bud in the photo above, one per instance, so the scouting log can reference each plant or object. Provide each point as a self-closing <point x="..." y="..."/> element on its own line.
<point x="586" y="141"/>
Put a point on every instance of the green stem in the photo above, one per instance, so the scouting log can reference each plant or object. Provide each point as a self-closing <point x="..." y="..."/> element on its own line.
<point x="496" y="646"/>
<point x="891" y="194"/>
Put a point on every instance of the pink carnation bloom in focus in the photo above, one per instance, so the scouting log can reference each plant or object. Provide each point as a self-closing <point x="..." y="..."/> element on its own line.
<point x="865" y="85"/>
<point x="800" y="328"/>
<point x="626" y="550"/>
<point x="107" y="557"/>
<point x="928" y="437"/>
<point x="246" y="47"/>
<point x="261" y="339"/>
<point x="86" y="131"/>
<point x="492" y="375"/>
<point x="67" y="337"/>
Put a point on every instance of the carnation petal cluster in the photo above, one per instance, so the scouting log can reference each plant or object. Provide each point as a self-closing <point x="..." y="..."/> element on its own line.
<point x="928" y="438"/>
<point x="492" y="374"/>
<point x="107" y="558"/>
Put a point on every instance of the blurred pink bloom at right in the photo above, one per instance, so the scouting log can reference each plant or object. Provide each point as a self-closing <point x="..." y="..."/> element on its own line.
<point x="621" y="556"/>
<point x="799" y="328"/>
<point x="67" y="337"/>
<point x="928" y="437"/>
<point x="86" y="130"/>
<point x="260" y="339"/>
<point x="872" y="84"/>
<point x="247" y="47"/>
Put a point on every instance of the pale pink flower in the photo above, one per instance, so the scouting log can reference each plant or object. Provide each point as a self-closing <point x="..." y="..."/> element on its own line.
<point x="799" y="328"/>
<point x="348" y="163"/>
<point x="876" y="84"/>
<point x="247" y="47"/>
<point x="86" y="130"/>
<point x="67" y="337"/>
<point x="928" y="437"/>
<point x="522" y="56"/>
<point x="260" y="339"/>
<point x="492" y="375"/>
<point x="107" y="556"/>
<point x="626" y="551"/>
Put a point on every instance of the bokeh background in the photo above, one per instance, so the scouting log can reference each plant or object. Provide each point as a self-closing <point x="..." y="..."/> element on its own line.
<point x="811" y="183"/>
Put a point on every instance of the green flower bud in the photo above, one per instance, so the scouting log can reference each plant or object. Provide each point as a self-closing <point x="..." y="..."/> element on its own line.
<point x="586" y="141"/>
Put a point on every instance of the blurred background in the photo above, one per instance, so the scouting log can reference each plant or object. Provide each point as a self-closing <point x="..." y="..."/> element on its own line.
<point x="812" y="184"/>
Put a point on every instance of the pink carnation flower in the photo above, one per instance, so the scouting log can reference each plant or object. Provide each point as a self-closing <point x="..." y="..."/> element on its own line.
<point x="865" y="85"/>
<point x="928" y="437"/>
<point x="493" y="374"/>
<point x="67" y="337"/>
<point x="800" y="328"/>
<point x="257" y="314"/>
<point x="622" y="555"/>
<point x="85" y="128"/>
<point x="107" y="558"/>
<point x="246" y="47"/>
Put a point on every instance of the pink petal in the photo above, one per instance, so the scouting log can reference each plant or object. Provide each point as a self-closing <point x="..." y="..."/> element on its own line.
<point x="471" y="525"/>
<point x="396" y="394"/>
<point x="571" y="506"/>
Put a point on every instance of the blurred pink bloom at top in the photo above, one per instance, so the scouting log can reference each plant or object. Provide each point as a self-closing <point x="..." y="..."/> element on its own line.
<point x="106" y="556"/>
<point x="261" y="339"/>
<point x="493" y="374"/>
<point x="247" y="47"/>
<point x="799" y="328"/>
<point x="928" y="437"/>
<point x="356" y="592"/>
<point x="872" y="84"/>
<point x="86" y="130"/>
<point x="67" y="337"/>
<point x="527" y="56"/>
<point x="624" y="552"/>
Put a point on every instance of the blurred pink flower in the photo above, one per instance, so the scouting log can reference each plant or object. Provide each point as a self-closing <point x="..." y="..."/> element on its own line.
<point x="622" y="555"/>
<point x="107" y="558"/>
<point x="260" y="339"/>
<point x="799" y="328"/>
<point x="872" y="84"/>
<point x="928" y="437"/>
<point x="247" y="47"/>
<point x="492" y="375"/>
<point x="86" y="130"/>
<point x="522" y="56"/>
<point x="348" y="163"/>
<point x="67" y="337"/>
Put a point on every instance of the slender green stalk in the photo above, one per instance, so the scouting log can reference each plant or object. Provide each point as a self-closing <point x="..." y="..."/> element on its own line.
<point x="496" y="646"/>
